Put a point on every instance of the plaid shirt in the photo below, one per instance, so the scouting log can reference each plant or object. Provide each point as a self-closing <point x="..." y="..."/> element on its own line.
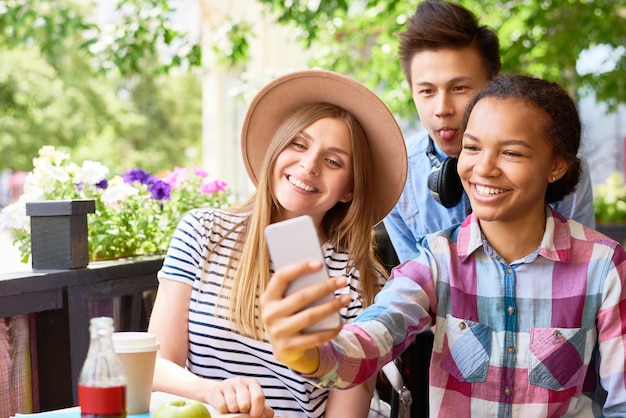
<point x="512" y="340"/>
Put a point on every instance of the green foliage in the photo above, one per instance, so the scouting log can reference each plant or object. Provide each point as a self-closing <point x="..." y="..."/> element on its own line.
<point x="47" y="24"/>
<point x="151" y="121"/>
<point x="142" y="29"/>
<point x="609" y="204"/>
<point x="538" y="37"/>
<point x="229" y="42"/>
<point x="357" y="38"/>
<point x="546" y="37"/>
<point x="27" y="106"/>
<point x="131" y="44"/>
<point x="54" y="90"/>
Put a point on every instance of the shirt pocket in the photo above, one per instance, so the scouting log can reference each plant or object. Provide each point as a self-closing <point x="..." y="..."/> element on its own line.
<point x="469" y="349"/>
<point x="556" y="357"/>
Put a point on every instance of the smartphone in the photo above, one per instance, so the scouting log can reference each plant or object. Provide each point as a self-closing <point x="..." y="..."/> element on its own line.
<point x="296" y="240"/>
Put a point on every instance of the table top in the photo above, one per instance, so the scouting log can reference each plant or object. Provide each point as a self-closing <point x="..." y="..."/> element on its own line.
<point x="158" y="398"/>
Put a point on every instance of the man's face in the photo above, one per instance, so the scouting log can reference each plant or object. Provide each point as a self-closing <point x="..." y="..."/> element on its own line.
<point x="444" y="81"/>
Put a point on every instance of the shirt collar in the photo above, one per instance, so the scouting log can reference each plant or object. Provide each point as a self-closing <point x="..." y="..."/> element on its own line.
<point x="438" y="153"/>
<point x="555" y="244"/>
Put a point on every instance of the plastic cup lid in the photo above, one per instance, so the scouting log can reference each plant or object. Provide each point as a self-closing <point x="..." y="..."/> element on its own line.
<point x="134" y="342"/>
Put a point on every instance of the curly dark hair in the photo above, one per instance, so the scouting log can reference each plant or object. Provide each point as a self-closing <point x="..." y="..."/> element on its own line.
<point x="442" y="25"/>
<point x="562" y="121"/>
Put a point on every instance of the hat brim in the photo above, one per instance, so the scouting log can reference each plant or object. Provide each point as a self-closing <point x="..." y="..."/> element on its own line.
<point x="283" y="95"/>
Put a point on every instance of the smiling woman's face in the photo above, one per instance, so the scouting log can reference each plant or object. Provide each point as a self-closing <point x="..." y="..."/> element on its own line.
<point x="506" y="161"/>
<point x="314" y="171"/>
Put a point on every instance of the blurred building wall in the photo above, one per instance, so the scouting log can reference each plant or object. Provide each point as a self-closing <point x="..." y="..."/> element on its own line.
<point x="226" y="93"/>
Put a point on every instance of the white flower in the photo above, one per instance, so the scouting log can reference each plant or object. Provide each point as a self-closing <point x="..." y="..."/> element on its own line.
<point x="14" y="216"/>
<point x="118" y="192"/>
<point x="32" y="192"/>
<point x="92" y="172"/>
<point x="45" y="172"/>
<point x="72" y="169"/>
<point x="49" y="155"/>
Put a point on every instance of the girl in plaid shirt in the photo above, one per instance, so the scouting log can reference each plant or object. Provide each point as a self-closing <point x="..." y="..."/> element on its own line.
<point x="522" y="298"/>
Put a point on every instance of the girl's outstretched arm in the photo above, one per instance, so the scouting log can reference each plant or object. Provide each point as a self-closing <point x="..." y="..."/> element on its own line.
<point x="286" y="317"/>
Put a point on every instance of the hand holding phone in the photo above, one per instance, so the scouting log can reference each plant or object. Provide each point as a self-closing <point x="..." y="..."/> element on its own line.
<point x="296" y="240"/>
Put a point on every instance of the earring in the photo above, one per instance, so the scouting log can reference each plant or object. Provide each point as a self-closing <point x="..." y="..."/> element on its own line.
<point x="553" y="179"/>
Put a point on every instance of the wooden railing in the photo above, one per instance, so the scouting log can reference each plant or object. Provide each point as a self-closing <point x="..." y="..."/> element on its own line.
<point x="59" y="304"/>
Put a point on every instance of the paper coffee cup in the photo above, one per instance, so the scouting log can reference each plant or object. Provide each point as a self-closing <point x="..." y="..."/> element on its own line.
<point x="137" y="352"/>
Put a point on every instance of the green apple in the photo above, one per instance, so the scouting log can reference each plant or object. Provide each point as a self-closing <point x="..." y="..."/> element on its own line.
<point x="182" y="408"/>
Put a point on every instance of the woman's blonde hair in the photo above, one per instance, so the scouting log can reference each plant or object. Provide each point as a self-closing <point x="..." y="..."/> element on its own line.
<point x="348" y="225"/>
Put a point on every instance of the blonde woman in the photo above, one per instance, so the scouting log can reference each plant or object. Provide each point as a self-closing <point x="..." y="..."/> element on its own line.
<point x="314" y="143"/>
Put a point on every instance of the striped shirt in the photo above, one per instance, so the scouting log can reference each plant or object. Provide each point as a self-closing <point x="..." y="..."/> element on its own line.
<point x="216" y="350"/>
<point x="512" y="340"/>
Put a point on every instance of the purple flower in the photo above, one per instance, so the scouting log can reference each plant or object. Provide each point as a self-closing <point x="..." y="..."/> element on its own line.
<point x="136" y="174"/>
<point x="159" y="189"/>
<point x="151" y="180"/>
<point x="102" y="184"/>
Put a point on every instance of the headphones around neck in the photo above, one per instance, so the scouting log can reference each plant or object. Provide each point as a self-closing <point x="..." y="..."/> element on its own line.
<point x="444" y="182"/>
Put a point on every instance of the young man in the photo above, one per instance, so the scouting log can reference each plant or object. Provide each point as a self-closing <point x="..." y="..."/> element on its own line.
<point x="447" y="58"/>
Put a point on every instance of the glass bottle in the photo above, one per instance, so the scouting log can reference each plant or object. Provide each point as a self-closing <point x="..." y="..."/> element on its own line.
<point x="102" y="382"/>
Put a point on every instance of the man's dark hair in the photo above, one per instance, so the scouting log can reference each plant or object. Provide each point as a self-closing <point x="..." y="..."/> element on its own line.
<point x="442" y="25"/>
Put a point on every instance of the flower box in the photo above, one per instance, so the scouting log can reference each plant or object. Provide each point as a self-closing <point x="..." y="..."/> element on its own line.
<point x="59" y="235"/>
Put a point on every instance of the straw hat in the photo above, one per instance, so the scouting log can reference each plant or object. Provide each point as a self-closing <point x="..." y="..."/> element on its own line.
<point x="283" y="95"/>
